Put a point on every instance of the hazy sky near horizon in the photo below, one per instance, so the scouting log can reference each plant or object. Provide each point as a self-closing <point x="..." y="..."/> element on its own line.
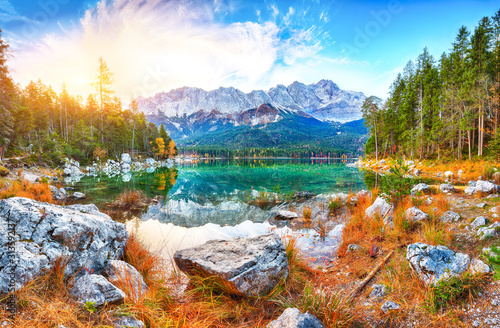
<point x="157" y="45"/>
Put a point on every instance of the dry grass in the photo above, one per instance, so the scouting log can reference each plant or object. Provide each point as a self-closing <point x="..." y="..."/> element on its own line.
<point x="37" y="191"/>
<point x="130" y="199"/>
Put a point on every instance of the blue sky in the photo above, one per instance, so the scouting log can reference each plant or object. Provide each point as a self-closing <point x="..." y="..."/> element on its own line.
<point x="157" y="45"/>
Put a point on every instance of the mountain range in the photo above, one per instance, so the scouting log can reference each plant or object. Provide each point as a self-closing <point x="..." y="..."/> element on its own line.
<point x="282" y="116"/>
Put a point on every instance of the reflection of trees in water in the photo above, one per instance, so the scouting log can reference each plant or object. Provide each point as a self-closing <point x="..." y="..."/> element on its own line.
<point x="164" y="180"/>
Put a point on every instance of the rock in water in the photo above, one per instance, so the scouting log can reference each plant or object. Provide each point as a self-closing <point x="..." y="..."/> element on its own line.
<point x="96" y="289"/>
<point x="434" y="263"/>
<point x="293" y="318"/>
<point x="45" y="233"/>
<point x="126" y="158"/>
<point x="120" y="272"/>
<point x="246" y="266"/>
<point x="382" y="209"/>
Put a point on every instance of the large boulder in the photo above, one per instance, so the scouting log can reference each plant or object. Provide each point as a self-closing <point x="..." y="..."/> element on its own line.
<point x="126" y="158"/>
<point x="246" y="266"/>
<point x="486" y="187"/>
<point x="435" y="263"/>
<point x="293" y="318"/>
<point x="414" y="214"/>
<point x="121" y="273"/>
<point x="479" y="221"/>
<point x="97" y="290"/>
<point x="382" y="209"/>
<point x="40" y="233"/>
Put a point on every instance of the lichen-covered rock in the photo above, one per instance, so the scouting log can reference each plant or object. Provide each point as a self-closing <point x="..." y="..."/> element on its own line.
<point x="479" y="221"/>
<point x="434" y="263"/>
<point x="285" y="215"/>
<point x="96" y="289"/>
<point x="44" y="233"/>
<point x="382" y="209"/>
<point x="450" y="216"/>
<point x="122" y="273"/>
<point x="246" y="266"/>
<point x="421" y="187"/>
<point x="293" y="318"/>
<point x="414" y="214"/>
<point x="127" y="321"/>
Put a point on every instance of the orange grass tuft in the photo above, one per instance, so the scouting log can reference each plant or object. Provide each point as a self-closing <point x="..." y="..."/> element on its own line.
<point x="37" y="191"/>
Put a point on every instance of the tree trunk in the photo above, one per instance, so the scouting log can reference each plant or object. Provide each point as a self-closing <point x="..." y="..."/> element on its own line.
<point x="470" y="145"/>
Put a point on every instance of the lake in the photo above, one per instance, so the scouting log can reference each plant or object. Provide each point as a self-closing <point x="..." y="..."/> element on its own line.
<point x="212" y="199"/>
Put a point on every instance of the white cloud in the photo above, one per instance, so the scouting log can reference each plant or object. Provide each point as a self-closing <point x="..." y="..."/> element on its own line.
<point x="156" y="46"/>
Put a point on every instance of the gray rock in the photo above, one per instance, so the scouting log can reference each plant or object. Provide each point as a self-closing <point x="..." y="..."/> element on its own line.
<point x="381" y="162"/>
<point x="490" y="231"/>
<point x="353" y="248"/>
<point x="388" y="306"/>
<point x="45" y="233"/>
<point x="285" y="215"/>
<point x="246" y="266"/>
<point x="354" y="200"/>
<point x="96" y="289"/>
<point x="471" y="183"/>
<point x="364" y="194"/>
<point x="124" y="273"/>
<point x="126" y="158"/>
<point x="378" y="291"/>
<point x="293" y="318"/>
<point x="409" y="163"/>
<point x="450" y="216"/>
<point x="414" y="214"/>
<point x="79" y="195"/>
<point x="150" y="161"/>
<point x="382" y="209"/>
<point x="446" y="187"/>
<point x="125" y="168"/>
<point x="67" y="172"/>
<point x="481" y="205"/>
<point x="493" y="195"/>
<point x="448" y="175"/>
<point x="63" y="193"/>
<point x="127" y="321"/>
<point x="470" y="190"/>
<point x="56" y="194"/>
<point x="434" y="263"/>
<point x="89" y="209"/>
<point x="421" y="187"/>
<point x="487" y="187"/>
<point x="479" y="221"/>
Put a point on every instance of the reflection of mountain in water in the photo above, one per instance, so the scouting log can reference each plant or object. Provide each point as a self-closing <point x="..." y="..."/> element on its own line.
<point x="187" y="213"/>
<point x="215" y="181"/>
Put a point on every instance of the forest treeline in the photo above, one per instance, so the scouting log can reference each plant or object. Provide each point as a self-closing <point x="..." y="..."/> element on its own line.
<point x="446" y="107"/>
<point x="45" y="126"/>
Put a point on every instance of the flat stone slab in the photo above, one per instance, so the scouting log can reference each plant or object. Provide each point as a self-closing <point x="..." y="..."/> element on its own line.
<point x="246" y="266"/>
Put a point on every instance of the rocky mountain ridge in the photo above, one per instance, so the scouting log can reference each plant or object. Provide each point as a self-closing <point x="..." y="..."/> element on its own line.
<point x="323" y="100"/>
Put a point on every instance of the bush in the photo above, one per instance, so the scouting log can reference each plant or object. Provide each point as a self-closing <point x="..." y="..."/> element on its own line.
<point x="4" y="171"/>
<point x="396" y="185"/>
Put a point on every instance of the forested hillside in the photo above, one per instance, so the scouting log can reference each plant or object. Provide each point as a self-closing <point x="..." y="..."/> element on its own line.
<point x="445" y="107"/>
<point x="44" y="126"/>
